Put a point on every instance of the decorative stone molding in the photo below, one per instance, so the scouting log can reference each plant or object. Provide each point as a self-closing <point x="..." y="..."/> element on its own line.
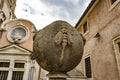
<point x="18" y="34"/>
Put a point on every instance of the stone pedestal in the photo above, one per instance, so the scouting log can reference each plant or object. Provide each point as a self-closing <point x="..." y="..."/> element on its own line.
<point x="57" y="76"/>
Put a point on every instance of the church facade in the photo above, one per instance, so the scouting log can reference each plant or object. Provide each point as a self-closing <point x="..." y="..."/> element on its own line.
<point x="100" y="26"/>
<point x="16" y="45"/>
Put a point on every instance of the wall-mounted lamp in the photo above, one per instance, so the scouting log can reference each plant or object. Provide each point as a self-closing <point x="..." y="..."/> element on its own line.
<point x="97" y="35"/>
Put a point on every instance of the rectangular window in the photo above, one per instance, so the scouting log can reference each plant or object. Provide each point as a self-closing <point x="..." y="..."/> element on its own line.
<point x="116" y="44"/>
<point x="4" y="64"/>
<point x="119" y="46"/>
<point x="19" y="65"/>
<point x="88" y="67"/>
<point x="3" y="75"/>
<point x="85" y="27"/>
<point x="17" y="75"/>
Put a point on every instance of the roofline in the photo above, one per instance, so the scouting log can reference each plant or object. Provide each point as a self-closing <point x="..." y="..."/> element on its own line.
<point x="85" y="12"/>
<point x="19" y="19"/>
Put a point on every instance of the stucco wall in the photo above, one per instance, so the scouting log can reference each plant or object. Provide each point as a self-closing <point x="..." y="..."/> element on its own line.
<point x="101" y="50"/>
<point x="28" y="43"/>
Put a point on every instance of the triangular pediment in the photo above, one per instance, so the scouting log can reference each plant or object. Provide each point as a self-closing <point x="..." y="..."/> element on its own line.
<point x="14" y="49"/>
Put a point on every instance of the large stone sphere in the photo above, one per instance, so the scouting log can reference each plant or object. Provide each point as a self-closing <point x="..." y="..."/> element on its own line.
<point x="58" y="47"/>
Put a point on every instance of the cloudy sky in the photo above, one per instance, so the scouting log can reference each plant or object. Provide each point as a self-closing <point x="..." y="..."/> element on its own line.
<point x="44" y="12"/>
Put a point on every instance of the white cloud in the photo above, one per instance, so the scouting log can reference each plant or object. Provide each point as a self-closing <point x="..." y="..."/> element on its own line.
<point x="42" y="14"/>
<point x="75" y="2"/>
<point x="41" y="17"/>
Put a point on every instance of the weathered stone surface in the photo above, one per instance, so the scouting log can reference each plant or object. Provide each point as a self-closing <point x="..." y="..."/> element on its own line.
<point x="58" y="47"/>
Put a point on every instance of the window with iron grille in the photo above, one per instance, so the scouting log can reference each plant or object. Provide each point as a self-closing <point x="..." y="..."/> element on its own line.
<point x="3" y="75"/>
<point x="17" y="75"/>
<point x="4" y="64"/>
<point x="19" y="65"/>
<point x="88" y="67"/>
